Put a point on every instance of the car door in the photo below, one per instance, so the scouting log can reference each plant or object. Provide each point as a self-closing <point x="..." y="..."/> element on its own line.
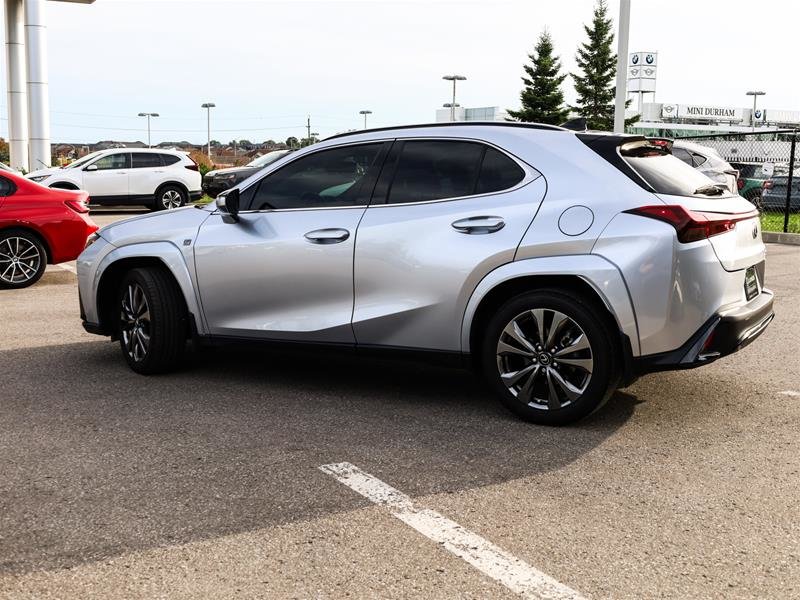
<point x="147" y="172"/>
<point x="284" y="271"/>
<point x="106" y="179"/>
<point x="444" y="214"/>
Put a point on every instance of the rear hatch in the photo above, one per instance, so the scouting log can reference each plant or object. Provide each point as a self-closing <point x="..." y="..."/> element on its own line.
<point x="736" y="236"/>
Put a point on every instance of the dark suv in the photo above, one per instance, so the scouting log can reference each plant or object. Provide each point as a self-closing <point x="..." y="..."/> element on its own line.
<point x="216" y="182"/>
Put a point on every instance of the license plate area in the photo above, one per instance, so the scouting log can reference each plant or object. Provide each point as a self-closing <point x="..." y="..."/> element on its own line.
<point x="750" y="283"/>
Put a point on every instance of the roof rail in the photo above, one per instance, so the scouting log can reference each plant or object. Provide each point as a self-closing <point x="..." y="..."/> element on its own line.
<point x="454" y="124"/>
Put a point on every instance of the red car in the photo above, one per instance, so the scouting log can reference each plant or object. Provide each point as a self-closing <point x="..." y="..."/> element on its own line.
<point x="38" y="225"/>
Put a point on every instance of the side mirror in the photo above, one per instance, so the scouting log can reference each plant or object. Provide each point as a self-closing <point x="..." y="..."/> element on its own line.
<point x="91" y="168"/>
<point x="228" y="205"/>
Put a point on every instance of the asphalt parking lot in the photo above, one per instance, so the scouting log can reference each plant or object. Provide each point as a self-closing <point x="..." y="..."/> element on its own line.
<point x="206" y="483"/>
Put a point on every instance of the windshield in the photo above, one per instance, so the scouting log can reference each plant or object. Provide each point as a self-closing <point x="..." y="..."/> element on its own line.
<point x="269" y="157"/>
<point x="82" y="161"/>
<point x="669" y="175"/>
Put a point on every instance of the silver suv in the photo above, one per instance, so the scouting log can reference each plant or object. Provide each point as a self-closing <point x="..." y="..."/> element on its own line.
<point x="561" y="265"/>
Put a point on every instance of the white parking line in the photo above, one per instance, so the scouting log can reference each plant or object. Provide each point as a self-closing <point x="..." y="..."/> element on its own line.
<point x="67" y="267"/>
<point x="515" y="574"/>
<point x="790" y="393"/>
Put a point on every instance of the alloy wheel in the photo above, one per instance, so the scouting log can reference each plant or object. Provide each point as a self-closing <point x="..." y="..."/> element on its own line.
<point x="20" y="260"/>
<point x="171" y="199"/>
<point x="544" y="359"/>
<point x="135" y="322"/>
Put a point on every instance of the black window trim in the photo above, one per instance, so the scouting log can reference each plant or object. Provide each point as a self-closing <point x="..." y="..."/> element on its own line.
<point x="530" y="173"/>
<point x="379" y="159"/>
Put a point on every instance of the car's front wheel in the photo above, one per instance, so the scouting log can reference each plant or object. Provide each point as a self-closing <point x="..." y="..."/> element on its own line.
<point x="550" y="357"/>
<point x="22" y="259"/>
<point x="152" y="321"/>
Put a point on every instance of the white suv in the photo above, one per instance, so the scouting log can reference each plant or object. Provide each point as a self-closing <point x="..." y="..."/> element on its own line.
<point x="158" y="179"/>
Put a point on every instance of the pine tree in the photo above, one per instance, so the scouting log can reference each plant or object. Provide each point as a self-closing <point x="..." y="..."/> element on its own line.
<point x="598" y="64"/>
<point x="542" y="98"/>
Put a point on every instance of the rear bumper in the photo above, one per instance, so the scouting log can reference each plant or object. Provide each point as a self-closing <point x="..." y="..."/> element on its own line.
<point x="723" y="334"/>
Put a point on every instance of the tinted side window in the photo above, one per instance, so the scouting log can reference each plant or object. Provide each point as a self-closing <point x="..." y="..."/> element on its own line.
<point x="698" y="159"/>
<point x="7" y="187"/>
<point x="323" y="179"/>
<point x="498" y="172"/>
<point x="169" y="159"/>
<point x="682" y="155"/>
<point x="114" y="161"/>
<point x="432" y="170"/>
<point x="144" y="160"/>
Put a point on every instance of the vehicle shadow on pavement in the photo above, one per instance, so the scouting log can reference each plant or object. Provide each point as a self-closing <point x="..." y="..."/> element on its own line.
<point x="98" y="461"/>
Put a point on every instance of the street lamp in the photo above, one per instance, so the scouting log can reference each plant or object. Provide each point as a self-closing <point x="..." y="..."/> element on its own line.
<point x="314" y="135"/>
<point x="148" y="115"/>
<point x="208" y="106"/>
<point x="365" y="113"/>
<point x="454" y="78"/>
<point x="755" y="94"/>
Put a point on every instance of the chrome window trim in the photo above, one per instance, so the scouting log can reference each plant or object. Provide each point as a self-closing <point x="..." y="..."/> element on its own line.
<point x="531" y="174"/>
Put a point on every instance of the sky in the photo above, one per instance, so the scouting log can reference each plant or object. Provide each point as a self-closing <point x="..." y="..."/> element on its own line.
<point x="268" y="64"/>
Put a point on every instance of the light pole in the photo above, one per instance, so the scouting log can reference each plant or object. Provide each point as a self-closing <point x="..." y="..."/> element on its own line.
<point x="208" y="106"/>
<point x="452" y="108"/>
<point x="624" y="27"/>
<point x="314" y="135"/>
<point x="148" y="115"/>
<point x="755" y="94"/>
<point x="365" y="113"/>
<point x="454" y="78"/>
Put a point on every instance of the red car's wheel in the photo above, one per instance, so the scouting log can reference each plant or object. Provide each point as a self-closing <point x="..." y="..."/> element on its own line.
<point x="22" y="259"/>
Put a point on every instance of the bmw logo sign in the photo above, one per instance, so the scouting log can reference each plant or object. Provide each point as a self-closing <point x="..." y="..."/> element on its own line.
<point x="650" y="58"/>
<point x="758" y="114"/>
<point x="635" y="59"/>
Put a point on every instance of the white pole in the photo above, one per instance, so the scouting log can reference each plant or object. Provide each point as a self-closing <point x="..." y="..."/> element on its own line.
<point x="149" y="145"/>
<point x="15" y="76"/>
<point x="38" y="100"/>
<point x="622" y="65"/>
<point x="208" y="118"/>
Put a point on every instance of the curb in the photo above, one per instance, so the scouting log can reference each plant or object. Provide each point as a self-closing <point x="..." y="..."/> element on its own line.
<point x="772" y="237"/>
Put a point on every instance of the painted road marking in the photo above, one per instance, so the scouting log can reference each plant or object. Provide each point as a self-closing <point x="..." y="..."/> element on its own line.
<point x="515" y="574"/>
<point x="790" y="393"/>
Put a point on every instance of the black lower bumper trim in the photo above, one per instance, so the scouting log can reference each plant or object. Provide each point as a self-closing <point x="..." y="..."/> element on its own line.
<point x="93" y="328"/>
<point x="722" y="334"/>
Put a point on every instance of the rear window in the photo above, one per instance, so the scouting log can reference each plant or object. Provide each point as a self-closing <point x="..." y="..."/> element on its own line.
<point x="667" y="174"/>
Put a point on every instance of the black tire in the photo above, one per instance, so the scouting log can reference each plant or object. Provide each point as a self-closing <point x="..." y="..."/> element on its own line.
<point x="549" y="372"/>
<point x="23" y="259"/>
<point x="165" y="327"/>
<point x="169" y="197"/>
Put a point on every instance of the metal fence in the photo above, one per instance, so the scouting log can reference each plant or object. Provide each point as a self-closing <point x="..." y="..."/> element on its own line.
<point x="768" y="166"/>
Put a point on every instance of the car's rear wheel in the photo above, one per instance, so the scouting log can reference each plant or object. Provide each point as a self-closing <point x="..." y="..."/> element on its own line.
<point x="152" y="321"/>
<point x="550" y="357"/>
<point x="22" y="259"/>
<point x="170" y="197"/>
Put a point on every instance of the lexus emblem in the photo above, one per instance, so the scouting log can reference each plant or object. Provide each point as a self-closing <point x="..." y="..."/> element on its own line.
<point x="755" y="231"/>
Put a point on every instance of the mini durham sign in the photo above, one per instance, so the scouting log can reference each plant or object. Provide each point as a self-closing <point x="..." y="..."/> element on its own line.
<point x="704" y="113"/>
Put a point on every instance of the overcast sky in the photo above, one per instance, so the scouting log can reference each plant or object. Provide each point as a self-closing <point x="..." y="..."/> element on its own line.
<point x="268" y="64"/>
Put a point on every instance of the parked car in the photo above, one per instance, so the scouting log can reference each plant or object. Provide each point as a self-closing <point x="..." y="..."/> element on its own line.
<point x="750" y="182"/>
<point x="561" y="265"/>
<point x="38" y="226"/>
<point x="5" y="167"/>
<point x="708" y="161"/>
<point x="219" y="180"/>
<point x="774" y="196"/>
<point x="158" y="179"/>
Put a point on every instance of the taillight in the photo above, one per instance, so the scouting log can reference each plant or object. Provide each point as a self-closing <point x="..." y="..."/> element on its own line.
<point x="740" y="183"/>
<point x="193" y="167"/>
<point x="79" y="206"/>
<point x="768" y="184"/>
<point x="689" y="225"/>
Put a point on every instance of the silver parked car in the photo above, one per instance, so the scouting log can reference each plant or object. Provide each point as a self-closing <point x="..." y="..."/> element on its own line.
<point x="561" y="265"/>
<point x="709" y="162"/>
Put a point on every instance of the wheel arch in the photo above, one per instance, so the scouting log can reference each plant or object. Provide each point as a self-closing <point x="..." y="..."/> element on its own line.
<point x="124" y="259"/>
<point x="591" y="276"/>
<point x="173" y="183"/>
<point x="28" y="228"/>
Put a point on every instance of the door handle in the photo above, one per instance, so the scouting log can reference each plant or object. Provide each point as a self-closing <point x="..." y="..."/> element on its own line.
<point x="327" y="236"/>
<point x="479" y="225"/>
